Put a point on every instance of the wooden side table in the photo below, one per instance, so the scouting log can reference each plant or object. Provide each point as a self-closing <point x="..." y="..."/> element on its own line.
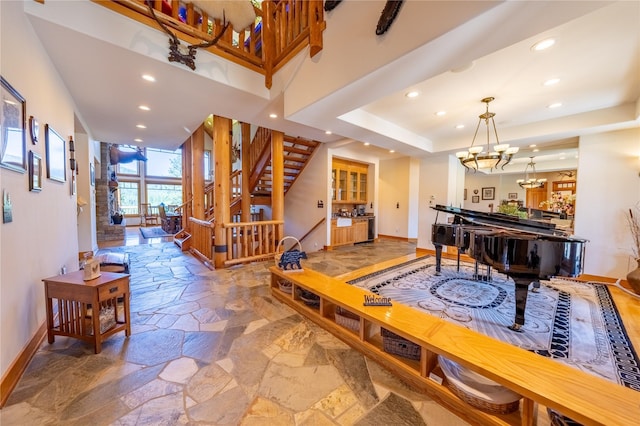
<point x="88" y="310"/>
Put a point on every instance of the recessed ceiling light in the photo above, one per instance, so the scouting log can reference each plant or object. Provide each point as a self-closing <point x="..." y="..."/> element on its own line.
<point x="328" y="132"/>
<point x="555" y="105"/>
<point x="460" y="126"/>
<point x="141" y="126"/>
<point x="148" y="77"/>
<point x="144" y="108"/>
<point x="562" y="157"/>
<point x="366" y="144"/>
<point x="551" y="82"/>
<point x="542" y="45"/>
<point x="441" y="113"/>
<point x="392" y="151"/>
<point x="412" y="94"/>
<point x="536" y="150"/>
<point x="272" y="115"/>
<point x="137" y="140"/>
<point x="533" y="145"/>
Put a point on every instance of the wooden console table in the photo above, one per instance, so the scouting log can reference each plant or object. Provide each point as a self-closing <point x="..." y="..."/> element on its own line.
<point x="80" y="304"/>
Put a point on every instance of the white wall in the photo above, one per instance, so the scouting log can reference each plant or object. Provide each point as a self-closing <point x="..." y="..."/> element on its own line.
<point x="43" y="235"/>
<point x="398" y="205"/>
<point x="608" y="185"/>
<point x="87" y="240"/>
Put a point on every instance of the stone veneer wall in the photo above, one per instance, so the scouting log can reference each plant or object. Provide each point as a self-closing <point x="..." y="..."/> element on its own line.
<point x="106" y="201"/>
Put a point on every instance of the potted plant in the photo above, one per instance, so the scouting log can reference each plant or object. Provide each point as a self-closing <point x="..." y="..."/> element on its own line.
<point x="117" y="217"/>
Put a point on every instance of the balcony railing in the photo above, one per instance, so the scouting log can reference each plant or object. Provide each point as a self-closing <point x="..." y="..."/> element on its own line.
<point x="282" y="29"/>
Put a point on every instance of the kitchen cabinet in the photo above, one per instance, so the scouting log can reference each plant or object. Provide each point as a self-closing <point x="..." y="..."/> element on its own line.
<point x="360" y="230"/>
<point x="357" y="232"/>
<point x="349" y="182"/>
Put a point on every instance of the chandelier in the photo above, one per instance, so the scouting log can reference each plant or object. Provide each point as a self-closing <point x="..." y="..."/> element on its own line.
<point x="475" y="158"/>
<point x="527" y="182"/>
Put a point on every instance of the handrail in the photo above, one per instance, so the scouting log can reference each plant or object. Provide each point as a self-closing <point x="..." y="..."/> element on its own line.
<point x="283" y="29"/>
<point x="320" y="222"/>
<point x="252" y="241"/>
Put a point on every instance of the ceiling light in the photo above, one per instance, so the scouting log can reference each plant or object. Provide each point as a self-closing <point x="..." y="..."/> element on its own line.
<point x="542" y="45"/>
<point x="555" y="105"/>
<point x="533" y="145"/>
<point x="551" y="82"/>
<point x="536" y="150"/>
<point x="413" y="94"/>
<point x="144" y="108"/>
<point x="392" y="151"/>
<point x="272" y="115"/>
<point x="141" y="126"/>
<point x="137" y="140"/>
<point x="366" y="144"/>
<point x="475" y="159"/>
<point x="148" y="77"/>
<point x="460" y="126"/>
<point x="328" y="132"/>
<point x="441" y="113"/>
<point x="530" y="182"/>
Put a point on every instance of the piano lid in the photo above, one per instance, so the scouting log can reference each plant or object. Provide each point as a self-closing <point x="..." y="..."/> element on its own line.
<point x="503" y="221"/>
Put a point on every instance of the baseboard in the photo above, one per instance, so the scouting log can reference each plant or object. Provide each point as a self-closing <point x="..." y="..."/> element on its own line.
<point x="393" y="237"/>
<point x="19" y="365"/>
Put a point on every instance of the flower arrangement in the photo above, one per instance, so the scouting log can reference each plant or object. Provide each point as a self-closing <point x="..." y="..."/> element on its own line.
<point x="560" y="203"/>
<point x="633" y="220"/>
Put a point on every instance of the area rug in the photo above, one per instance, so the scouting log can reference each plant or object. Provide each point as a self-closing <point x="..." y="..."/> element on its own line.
<point x="572" y="322"/>
<point x="154" y="232"/>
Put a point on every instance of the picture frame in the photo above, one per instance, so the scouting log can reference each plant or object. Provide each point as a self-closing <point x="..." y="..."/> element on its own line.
<point x="513" y="195"/>
<point x="56" y="155"/>
<point x="13" y="123"/>
<point x="475" y="198"/>
<point x="465" y="194"/>
<point x="35" y="172"/>
<point x="489" y="193"/>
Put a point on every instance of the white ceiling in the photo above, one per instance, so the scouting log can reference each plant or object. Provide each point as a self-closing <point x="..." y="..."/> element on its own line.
<point x="101" y="55"/>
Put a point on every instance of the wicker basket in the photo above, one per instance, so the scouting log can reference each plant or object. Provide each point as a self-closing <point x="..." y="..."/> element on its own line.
<point x="558" y="419"/>
<point x="281" y="249"/>
<point x="394" y="344"/>
<point x="309" y="298"/>
<point x="477" y="390"/>
<point x="285" y="286"/>
<point x="347" y="319"/>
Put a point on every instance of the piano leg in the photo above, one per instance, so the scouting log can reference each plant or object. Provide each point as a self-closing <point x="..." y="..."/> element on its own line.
<point x="438" y="258"/>
<point x="522" y="290"/>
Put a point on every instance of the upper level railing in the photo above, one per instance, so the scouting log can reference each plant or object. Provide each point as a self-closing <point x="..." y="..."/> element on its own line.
<point x="282" y="29"/>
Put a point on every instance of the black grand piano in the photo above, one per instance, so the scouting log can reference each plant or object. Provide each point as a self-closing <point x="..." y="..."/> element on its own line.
<point x="525" y="250"/>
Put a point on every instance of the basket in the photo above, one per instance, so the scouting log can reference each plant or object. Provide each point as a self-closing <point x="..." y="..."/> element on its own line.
<point x="477" y="390"/>
<point x="285" y="286"/>
<point x="309" y="298"/>
<point x="558" y="419"/>
<point x="280" y="249"/>
<point x="347" y="319"/>
<point x="394" y="344"/>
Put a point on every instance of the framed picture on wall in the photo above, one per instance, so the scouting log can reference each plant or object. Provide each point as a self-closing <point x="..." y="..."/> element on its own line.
<point x="475" y="198"/>
<point x="35" y="172"/>
<point x="465" y="194"/>
<point x="56" y="155"/>
<point x="13" y="139"/>
<point x="489" y="193"/>
<point x="513" y="195"/>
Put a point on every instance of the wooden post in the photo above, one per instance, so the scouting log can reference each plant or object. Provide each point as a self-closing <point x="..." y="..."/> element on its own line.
<point x="221" y="203"/>
<point x="187" y="181"/>
<point x="197" y="172"/>
<point x="245" y="203"/>
<point x="316" y="21"/>
<point x="268" y="41"/>
<point x="277" y="176"/>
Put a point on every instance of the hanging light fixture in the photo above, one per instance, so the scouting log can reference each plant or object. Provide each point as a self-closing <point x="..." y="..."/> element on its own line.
<point x="475" y="158"/>
<point x="531" y="182"/>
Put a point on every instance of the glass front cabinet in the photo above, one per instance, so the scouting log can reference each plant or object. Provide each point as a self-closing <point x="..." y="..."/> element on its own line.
<point x="349" y="182"/>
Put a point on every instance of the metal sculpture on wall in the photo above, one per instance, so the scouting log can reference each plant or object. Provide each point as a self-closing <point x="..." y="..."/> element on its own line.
<point x="388" y="15"/>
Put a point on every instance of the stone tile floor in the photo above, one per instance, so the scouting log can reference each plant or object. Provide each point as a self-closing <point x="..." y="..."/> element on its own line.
<point x="213" y="348"/>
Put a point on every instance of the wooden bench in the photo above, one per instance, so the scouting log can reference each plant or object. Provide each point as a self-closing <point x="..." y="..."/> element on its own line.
<point x="583" y="397"/>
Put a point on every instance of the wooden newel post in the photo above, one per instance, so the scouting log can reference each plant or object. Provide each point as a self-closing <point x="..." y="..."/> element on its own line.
<point x="221" y="204"/>
<point x="316" y="26"/>
<point x="269" y="41"/>
<point x="245" y="202"/>
<point x="277" y="177"/>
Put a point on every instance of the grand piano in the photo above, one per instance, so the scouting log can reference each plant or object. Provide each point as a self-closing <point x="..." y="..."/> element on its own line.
<point x="525" y="250"/>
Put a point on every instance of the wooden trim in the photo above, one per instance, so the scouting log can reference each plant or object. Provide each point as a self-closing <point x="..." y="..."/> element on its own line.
<point x="20" y="364"/>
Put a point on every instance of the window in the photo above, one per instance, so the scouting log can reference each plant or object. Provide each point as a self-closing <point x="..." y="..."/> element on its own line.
<point x="131" y="168"/>
<point x="163" y="163"/>
<point x="164" y="193"/>
<point x="208" y="172"/>
<point x="129" y="197"/>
